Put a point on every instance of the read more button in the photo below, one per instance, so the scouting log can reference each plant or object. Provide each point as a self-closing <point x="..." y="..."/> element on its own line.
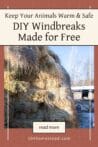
<point x="48" y="127"/>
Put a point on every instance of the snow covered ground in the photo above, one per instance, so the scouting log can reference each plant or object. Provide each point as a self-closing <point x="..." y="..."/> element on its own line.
<point x="86" y="120"/>
<point x="85" y="110"/>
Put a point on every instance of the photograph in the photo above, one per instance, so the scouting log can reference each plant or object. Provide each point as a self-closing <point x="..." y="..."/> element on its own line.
<point x="49" y="84"/>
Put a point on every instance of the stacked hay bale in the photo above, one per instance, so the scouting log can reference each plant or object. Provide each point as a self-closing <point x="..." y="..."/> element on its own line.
<point x="38" y="87"/>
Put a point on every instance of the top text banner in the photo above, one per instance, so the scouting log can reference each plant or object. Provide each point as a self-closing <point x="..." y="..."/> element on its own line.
<point x="48" y="26"/>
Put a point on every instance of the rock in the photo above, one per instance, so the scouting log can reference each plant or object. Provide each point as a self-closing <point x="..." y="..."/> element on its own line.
<point x="38" y="86"/>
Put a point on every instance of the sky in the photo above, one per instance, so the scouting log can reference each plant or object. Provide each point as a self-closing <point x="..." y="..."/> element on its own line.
<point x="76" y="58"/>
